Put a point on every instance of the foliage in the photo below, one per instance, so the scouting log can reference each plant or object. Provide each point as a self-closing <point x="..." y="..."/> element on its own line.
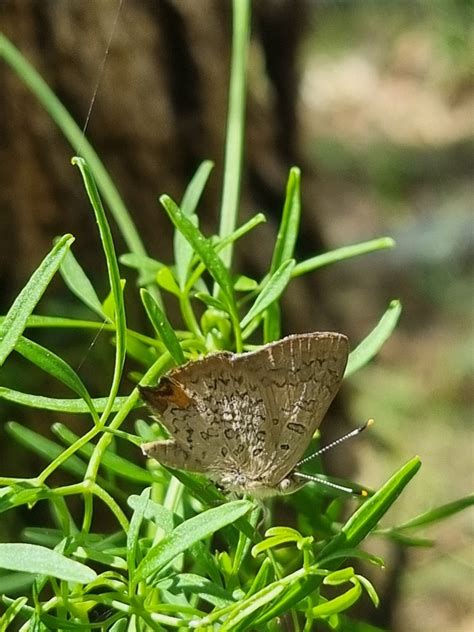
<point x="163" y="566"/>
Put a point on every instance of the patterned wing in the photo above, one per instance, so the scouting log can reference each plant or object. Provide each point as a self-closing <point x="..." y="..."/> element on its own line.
<point x="213" y="414"/>
<point x="298" y="377"/>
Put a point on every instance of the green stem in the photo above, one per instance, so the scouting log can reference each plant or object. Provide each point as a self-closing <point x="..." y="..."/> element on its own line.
<point x="153" y="372"/>
<point x="235" y="124"/>
<point x="86" y="488"/>
<point x="68" y="452"/>
<point x="188" y="315"/>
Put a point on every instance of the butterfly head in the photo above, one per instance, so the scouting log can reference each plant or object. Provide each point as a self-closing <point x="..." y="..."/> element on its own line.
<point x="240" y="483"/>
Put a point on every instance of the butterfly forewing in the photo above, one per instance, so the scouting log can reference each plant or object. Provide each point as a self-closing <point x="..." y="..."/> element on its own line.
<point x="301" y="378"/>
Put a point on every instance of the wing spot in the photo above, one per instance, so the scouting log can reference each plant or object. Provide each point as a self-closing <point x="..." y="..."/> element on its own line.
<point x="294" y="427"/>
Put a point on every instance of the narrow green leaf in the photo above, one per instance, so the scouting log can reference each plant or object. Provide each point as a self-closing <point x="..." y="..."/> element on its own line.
<point x="245" y="284"/>
<point x="22" y="494"/>
<point x="166" y="280"/>
<point x="59" y="404"/>
<point x="341" y="576"/>
<point x="31" y="558"/>
<point x="196" y="187"/>
<point x="45" y="536"/>
<point x="46" y="448"/>
<point x="191" y="584"/>
<point x="270" y="543"/>
<point x="234" y="137"/>
<point x="338" y="604"/>
<point x="122" y="625"/>
<point x="244" y="610"/>
<point x="110" y="461"/>
<point x="372" y="344"/>
<point x="272" y="323"/>
<point x="200" y="486"/>
<point x="262" y="578"/>
<point x="367" y="516"/>
<point x="211" y="301"/>
<point x="219" y="244"/>
<point x="134" y="529"/>
<point x="183" y="251"/>
<point x="201" y="246"/>
<point x="249" y="225"/>
<point x="288" y="532"/>
<point x="370" y="590"/>
<point x="437" y="514"/>
<point x="290" y="221"/>
<point x="10" y="613"/>
<point x="186" y="534"/>
<point x="16" y="318"/>
<point x="113" y="274"/>
<point x="343" y="554"/>
<point x="161" y="516"/>
<point x="55" y="366"/>
<point x="140" y="262"/>
<point x="340" y="254"/>
<point x="142" y="353"/>
<point x="79" y="284"/>
<point x="271" y="291"/>
<point x="162" y="326"/>
<point x="401" y="537"/>
<point x="108" y="304"/>
<point x="106" y="559"/>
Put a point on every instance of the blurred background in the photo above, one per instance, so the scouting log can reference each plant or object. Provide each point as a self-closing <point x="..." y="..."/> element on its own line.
<point x="375" y="102"/>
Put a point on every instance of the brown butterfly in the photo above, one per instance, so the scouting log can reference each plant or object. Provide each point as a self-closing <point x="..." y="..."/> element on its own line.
<point x="246" y="419"/>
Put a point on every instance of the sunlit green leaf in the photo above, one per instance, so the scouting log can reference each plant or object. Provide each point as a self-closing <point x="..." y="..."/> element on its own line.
<point x="59" y="404"/>
<point x="55" y="366"/>
<point x="79" y="283"/>
<point x="290" y="221"/>
<point x="184" y="535"/>
<point x="338" y="604"/>
<point x="271" y="291"/>
<point x="372" y="344"/>
<point x="15" y="320"/>
<point x="162" y="326"/>
<point x="134" y="529"/>
<point x="31" y="558"/>
<point x="340" y="254"/>
<point x="201" y="246"/>
<point x="183" y="251"/>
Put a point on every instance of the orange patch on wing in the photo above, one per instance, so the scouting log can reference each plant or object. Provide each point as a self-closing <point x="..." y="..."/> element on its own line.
<point x="166" y="393"/>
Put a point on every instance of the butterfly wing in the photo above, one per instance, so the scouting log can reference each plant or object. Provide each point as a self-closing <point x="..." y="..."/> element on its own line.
<point x="299" y="377"/>
<point x="213" y="414"/>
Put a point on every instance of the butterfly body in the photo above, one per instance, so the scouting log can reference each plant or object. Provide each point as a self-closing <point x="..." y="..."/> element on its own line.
<point x="246" y="419"/>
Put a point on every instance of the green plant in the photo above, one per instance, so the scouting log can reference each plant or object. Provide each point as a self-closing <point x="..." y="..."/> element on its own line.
<point x="163" y="566"/>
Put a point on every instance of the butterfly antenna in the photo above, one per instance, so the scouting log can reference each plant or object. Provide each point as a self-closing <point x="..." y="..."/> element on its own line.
<point x="323" y="481"/>
<point x="333" y="444"/>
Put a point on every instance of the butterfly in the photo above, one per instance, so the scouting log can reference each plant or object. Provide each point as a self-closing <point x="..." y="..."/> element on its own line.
<point x="245" y="419"/>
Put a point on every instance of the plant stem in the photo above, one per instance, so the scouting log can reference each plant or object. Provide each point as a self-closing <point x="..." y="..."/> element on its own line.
<point x="235" y="125"/>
